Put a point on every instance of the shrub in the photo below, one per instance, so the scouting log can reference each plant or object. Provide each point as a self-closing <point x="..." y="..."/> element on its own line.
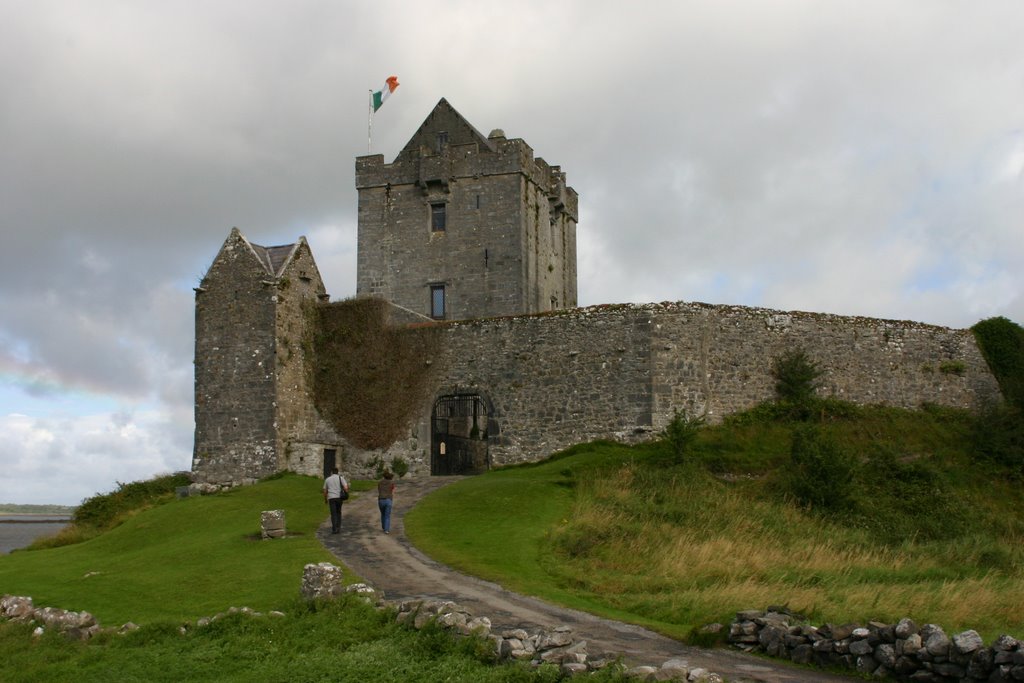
<point x="107" y="510"/>
<point x="907" y="497"/>
<point x="680" y="433"/>
<point x="796" y="382"/>
<point x="399" y="466"/>
<point x="821" y="474"/>
<point x="998" y="435"/>
<point x="952" y="367"/>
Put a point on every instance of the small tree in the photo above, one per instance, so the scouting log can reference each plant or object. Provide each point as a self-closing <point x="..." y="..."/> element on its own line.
<point x="680" y="433"/>
<point x="796" y="382"/>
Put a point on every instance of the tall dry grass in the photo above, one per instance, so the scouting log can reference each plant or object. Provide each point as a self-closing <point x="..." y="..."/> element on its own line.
<point x="680" y="545"/>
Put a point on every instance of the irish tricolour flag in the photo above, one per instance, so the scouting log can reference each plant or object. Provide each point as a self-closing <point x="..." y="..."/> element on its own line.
<point x="389" y="87"/>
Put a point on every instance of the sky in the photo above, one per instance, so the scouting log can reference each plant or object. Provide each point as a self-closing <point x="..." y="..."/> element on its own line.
<point x="861" y="157"/>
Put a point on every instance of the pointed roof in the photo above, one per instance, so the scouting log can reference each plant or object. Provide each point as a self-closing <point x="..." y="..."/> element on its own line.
<point x="273" y="259"/>
<point x="444" y="119"/>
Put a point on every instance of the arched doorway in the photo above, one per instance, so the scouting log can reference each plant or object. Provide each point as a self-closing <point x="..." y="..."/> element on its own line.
<point x="458" y="428"/>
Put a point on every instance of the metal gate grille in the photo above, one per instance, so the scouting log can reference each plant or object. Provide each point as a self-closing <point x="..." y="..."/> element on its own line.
<point x="459" y="436"/>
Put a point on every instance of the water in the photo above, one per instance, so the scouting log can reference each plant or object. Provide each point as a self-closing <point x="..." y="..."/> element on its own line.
<point x="18" y="531"/>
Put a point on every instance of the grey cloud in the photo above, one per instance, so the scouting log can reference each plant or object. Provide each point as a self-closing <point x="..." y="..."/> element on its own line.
<point x="853" y="157"/>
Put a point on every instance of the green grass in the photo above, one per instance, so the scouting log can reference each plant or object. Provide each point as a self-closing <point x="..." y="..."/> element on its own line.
<point x="923" y="532"/>
<point x="344" y="640"/>
<point x="199" y="555"/>
<point x="166" y="565"/>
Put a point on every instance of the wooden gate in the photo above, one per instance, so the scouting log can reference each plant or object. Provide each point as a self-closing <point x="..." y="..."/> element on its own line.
<point x="459" y="435"/>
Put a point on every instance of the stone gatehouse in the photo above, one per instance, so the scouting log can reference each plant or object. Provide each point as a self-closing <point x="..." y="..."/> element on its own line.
<point x="472" y="240"/>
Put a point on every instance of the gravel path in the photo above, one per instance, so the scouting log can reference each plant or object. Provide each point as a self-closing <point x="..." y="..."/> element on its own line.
<point x="391" y="564"/>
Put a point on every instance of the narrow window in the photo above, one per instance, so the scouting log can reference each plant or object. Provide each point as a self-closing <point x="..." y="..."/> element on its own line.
<point x="437" y="302"/>
<point x="438" y="217"/>
<point x="478" y="201"/>
<point x="442" y="140"/>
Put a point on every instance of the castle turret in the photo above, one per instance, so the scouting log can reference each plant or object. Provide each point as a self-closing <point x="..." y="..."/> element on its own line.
<point x="465" y="226"/>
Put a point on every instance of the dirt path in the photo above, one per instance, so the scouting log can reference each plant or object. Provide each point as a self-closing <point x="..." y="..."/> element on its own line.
<point x="393" y="565"/>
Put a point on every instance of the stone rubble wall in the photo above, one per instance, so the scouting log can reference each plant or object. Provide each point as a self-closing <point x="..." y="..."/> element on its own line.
<point x="903" y="651"/>
<point x="556" y="646"/>
<point x="83" y="625"/>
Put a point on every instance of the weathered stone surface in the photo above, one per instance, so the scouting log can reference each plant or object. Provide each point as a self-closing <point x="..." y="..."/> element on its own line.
<point x="885" y="655"/>
<point x="841" y="631"/>
<point x="912" y="644"/>
<point x="321" y="580"/>
<point x="967" y="642"/>
<point x="642" y="673"/>
<point x="937" y="643"/>
<point x="272" y="524"/>
<point x="906" y="627"/>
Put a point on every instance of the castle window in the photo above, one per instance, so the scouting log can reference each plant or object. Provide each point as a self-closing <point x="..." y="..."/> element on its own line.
<point x="437" y="302"/>
<point x="438" y="217"/>
<point x="442" y="140"/>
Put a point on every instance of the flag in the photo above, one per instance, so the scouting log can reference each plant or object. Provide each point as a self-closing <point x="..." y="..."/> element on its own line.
<point x="381" y="95"/>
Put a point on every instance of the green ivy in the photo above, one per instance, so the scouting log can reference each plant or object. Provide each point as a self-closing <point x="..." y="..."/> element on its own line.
<point x="1002" y="344"/>
<point x="370" y="379"/>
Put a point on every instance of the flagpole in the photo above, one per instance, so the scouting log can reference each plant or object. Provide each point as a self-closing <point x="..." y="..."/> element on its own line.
<point x="369" y="121"/>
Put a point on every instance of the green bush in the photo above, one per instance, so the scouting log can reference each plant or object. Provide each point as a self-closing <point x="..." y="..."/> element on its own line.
<point x="999" y="437"/>
<point x="796" y="383"/>
<point x="399" y="466"/>
<point x="821" y="474"/>
<point x="107" y="510"/>
<point x="681" y="433"/>
<point x="906" y="498"/>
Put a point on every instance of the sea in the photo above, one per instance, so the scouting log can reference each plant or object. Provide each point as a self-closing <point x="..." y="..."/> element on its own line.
<point x="18" y="531"/>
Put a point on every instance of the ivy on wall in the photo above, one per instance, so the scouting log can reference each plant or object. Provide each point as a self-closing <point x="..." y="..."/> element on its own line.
<point x="370" y="379"/>
<point x="1002" y="343"/>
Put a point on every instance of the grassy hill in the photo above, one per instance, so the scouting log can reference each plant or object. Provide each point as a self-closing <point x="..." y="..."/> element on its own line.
<point x="174" y="561"/>
<point x="914" y="523"/>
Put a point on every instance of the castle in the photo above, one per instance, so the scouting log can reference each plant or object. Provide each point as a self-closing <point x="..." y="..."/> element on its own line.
<point x="464" y="349"/>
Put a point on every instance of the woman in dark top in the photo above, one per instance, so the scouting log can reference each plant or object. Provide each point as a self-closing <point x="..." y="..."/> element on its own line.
<point x="385" y="498"/>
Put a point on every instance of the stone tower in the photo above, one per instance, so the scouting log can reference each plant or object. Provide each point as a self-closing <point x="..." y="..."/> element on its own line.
<point x="465" y="226"/>
<point x="251" y="389"/>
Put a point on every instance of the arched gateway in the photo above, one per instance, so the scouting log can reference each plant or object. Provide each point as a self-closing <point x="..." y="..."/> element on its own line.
<point x="458" y="429"/>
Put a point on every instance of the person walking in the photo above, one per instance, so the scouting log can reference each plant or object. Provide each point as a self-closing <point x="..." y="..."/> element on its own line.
<point x="385" y="499"/>
<point x="335" y="493"/>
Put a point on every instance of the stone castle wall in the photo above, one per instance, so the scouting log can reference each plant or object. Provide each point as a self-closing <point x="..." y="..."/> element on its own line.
<point x="619" y="372"/>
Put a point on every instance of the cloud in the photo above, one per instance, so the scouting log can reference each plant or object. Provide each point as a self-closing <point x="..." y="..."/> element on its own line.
<point x="849" y="157"/>
<point x="65" y="460"/>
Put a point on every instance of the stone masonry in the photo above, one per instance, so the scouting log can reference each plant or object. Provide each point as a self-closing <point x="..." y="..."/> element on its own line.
<point x="477" y="220"/>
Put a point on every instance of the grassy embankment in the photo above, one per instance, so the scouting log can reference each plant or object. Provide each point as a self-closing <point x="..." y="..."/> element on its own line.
<point x="922" y="529"/>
